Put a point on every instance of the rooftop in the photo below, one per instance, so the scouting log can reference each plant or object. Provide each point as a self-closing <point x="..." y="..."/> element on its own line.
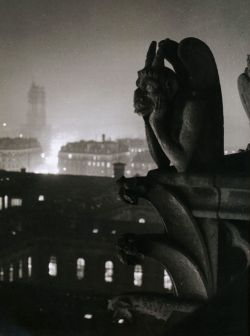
<point x="94" y="147"/>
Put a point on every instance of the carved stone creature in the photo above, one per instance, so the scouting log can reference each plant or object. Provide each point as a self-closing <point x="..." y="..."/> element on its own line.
<point x="156" y="305"/>
<point x="189" y="281"/>
<point x="244" y="88"/>
<point x="182" y="109"/>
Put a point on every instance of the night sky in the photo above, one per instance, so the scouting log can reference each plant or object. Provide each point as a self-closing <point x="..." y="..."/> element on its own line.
<point x="86" y="55"/>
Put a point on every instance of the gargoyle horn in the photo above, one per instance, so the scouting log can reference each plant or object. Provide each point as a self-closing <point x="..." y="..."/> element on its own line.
<point x="159" y="59"/>
<point x="151" y="54"/>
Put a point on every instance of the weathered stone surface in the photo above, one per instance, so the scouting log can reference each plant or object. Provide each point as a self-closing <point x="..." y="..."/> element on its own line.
<point x="158" y="306"/>
<point x="181" y="108"/>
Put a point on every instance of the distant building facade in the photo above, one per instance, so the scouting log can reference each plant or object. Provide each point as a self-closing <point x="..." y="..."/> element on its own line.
<point x="94" y="158"/>
<point x="19" y="153"/>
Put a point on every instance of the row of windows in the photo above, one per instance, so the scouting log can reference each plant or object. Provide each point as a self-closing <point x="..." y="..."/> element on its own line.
<point x="10" y="275"/>
<point x="5" y="202"/>
<point x="70" y="156"/>
<point x="80" y="271"/>
<point x="99" y="164"/>
<point x="108" y="164"/>
<point x="93" y="163"/>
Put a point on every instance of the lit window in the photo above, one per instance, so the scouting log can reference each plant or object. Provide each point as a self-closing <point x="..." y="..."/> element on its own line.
<point x="139" y="150"/>
<point x="16" y="202"/>
<point x="53" y="266"/>
<point x="11" y="273"/>
<point x="64" y="168"/>
<point x="70" y="156"/>
<point x="113" y="232"/>
<point x="98" y="164"/>
<point x="167" y="283"/>
<point x="80" y="265"/>
<point x="41" y="198"/>
<point x="108" y="165"/>
<point x="88" y="316"/>
<point x="132" y="164"/>
<point x="94" y="163"/>
<point x="29" y="267"/>
<point x="109" y="271"/>
<point x="6" y="201"/>
<point x="1" y="274"/>
<point x="20" y="269"/>
<point x="138" y="275"/>
<point x="128" y="172"/>
<point x="233" y="151"/>
<point x="121" y="321"/>
<point x="225" y="152"/>
<point x="89" y="163"/>
<point x="95" y="230"/>
<point x="42" y="155"/>
<point x="142" y="220"/>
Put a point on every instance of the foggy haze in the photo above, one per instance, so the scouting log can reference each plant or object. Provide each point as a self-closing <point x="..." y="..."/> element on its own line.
<point x="87" y="53"/>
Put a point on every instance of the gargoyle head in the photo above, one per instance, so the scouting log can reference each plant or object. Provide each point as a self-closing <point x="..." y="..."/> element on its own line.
<point x="121" y="307"/>
<point x="156" y="84"/>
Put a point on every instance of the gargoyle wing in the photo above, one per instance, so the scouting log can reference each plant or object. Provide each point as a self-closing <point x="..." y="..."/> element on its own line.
<point x="199" y="62"/>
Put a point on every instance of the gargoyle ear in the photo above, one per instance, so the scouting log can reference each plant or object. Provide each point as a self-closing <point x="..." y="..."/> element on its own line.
<point x="158" y="61"/>
<point x="150" y="54"/>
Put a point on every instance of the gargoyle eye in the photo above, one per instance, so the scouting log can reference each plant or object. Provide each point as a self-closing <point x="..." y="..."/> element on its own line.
<point x="150" y="88"/>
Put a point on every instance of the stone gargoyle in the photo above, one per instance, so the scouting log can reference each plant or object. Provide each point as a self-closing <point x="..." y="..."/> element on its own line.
<point x="182" y="108"/>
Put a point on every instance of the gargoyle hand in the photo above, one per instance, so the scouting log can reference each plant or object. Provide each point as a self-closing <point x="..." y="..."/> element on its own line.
<point x="156" y="84"/>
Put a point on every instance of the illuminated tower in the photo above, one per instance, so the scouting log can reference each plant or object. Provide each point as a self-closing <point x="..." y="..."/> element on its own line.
<point x="36" y="116"/>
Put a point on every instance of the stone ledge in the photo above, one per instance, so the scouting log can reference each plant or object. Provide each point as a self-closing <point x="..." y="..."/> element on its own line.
<point x="224" y="196"/>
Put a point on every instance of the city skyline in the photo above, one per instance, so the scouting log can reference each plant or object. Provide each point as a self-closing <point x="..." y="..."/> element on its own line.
<point x="86" y="55"/>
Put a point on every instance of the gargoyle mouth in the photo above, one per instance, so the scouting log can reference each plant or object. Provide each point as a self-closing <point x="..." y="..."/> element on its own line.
<point x="142" y="104"/>
<point x="140" y="108"/>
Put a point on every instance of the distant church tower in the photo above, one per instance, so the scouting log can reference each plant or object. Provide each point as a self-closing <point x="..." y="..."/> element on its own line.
<point x="36" y="115"/>
<point x="36" y="124"/>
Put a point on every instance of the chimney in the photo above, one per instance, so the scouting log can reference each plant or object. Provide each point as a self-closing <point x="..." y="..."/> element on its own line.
<point x="119" y="169"/>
